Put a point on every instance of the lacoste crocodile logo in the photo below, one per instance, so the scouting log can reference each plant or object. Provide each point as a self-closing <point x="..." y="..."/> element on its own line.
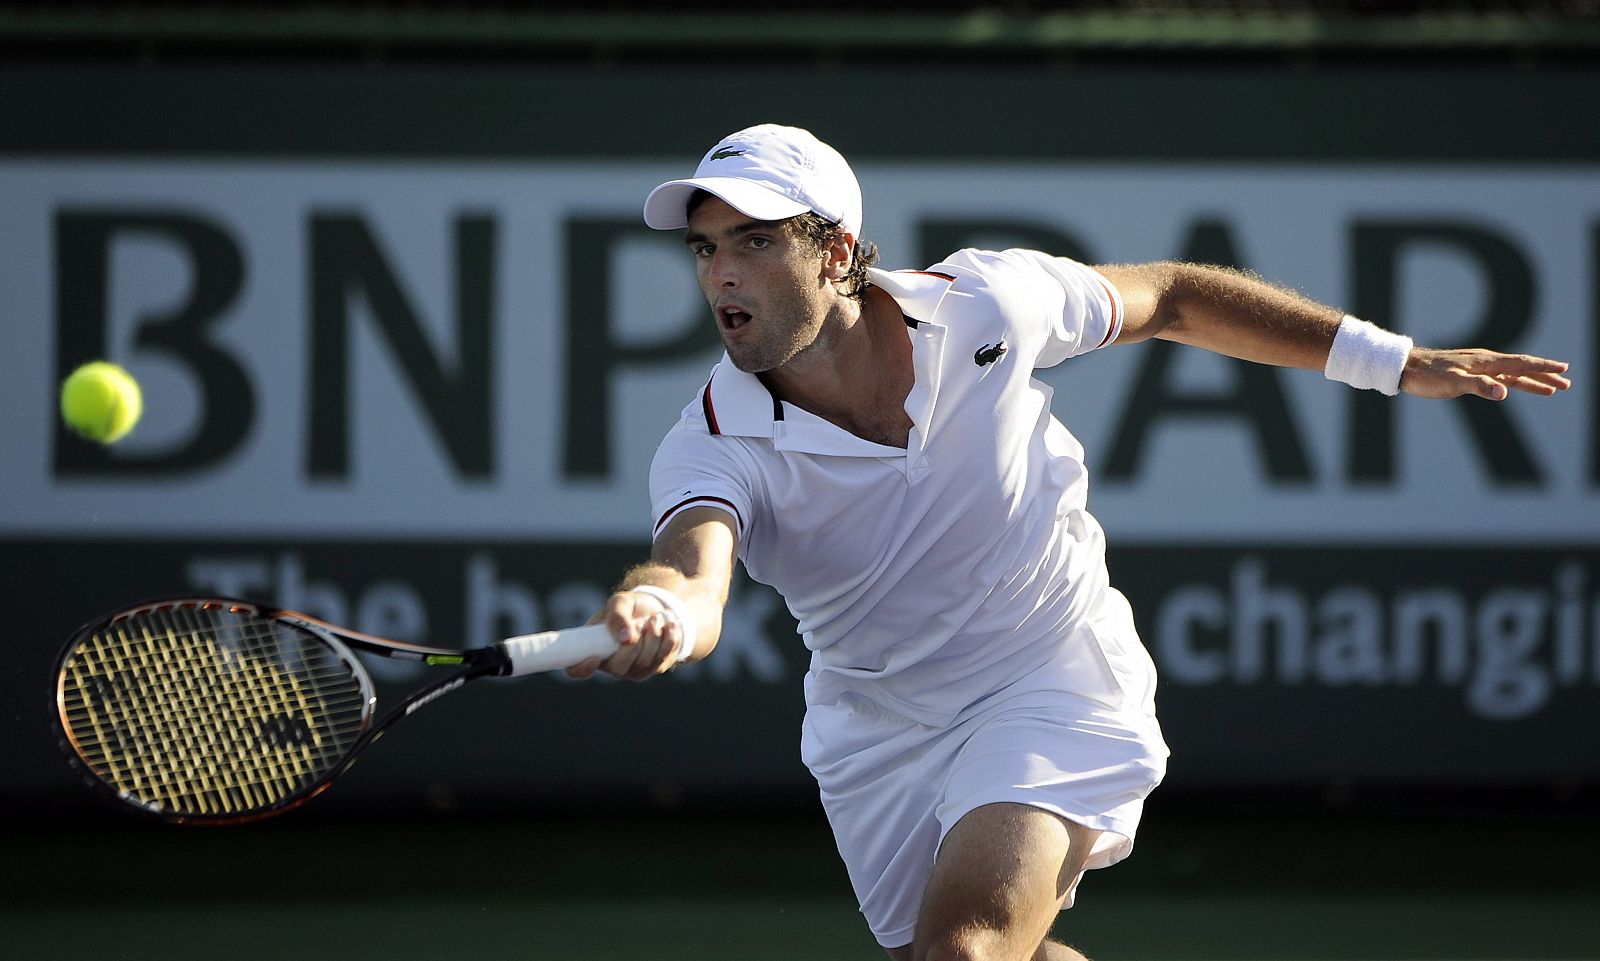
<point x="989" y="353"/>
<point x="723" y="153"/>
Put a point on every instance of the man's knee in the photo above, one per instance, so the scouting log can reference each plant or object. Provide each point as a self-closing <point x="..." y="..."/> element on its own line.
<point x="953" y="950"/>
<point x="999" y="881"/>
<point x="958" y="946"/>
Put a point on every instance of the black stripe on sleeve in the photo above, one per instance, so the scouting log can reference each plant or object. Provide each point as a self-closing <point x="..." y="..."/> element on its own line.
<point x="672" y="511"/>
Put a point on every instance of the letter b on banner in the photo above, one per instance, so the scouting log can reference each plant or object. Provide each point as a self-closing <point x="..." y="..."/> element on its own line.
<point x="83" y="244"/>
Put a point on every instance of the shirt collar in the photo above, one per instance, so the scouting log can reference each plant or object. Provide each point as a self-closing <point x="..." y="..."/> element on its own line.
<point x="738" y="403"/>
<point x="918" y="292"/>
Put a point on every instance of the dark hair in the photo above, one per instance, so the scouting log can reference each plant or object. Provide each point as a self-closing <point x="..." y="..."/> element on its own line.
<point x="815" y="232"/>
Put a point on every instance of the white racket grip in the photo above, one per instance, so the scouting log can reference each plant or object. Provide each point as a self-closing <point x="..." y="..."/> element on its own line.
<point x="556" y="650"/>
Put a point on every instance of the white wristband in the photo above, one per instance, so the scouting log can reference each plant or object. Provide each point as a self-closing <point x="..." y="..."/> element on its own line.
<point x="1365" y="355"/>
<point x="674" y="607"/>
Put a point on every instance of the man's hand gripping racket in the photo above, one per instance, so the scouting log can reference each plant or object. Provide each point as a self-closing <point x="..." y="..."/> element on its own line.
<point x="215" y="711"/>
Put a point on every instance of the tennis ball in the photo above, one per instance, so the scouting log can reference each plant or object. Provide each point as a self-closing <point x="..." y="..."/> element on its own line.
<point x="101" y="401"/>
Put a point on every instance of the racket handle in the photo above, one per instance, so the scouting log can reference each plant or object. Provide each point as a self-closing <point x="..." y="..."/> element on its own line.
<point x="556" y="650"/>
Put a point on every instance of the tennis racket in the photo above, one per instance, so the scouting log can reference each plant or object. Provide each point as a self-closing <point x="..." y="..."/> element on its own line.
<point x="211" y="710"/>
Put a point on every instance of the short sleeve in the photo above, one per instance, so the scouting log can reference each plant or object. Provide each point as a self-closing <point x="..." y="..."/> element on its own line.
<point x="693" y="468"/>
<point x="1056" y="307"/>
<point x="1090" y="312"/>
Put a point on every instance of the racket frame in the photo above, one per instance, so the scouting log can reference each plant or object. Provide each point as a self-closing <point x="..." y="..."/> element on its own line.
<point x="472" y="664"/>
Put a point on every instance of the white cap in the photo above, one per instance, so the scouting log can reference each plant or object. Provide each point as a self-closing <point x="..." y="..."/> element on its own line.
<point x="768" y="172"/>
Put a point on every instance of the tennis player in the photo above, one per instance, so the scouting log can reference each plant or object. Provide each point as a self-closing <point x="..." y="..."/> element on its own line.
<point x="979" y="708"/>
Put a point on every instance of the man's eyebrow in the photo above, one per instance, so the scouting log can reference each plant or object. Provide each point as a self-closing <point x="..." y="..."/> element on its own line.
<point x="737" y="230"/>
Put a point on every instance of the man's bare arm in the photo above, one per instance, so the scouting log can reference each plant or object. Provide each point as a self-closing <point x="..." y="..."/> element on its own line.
<point x="1238" y="314"/>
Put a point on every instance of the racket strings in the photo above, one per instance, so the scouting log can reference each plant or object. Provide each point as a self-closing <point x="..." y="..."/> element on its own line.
<point x="197" y="725"/>
<point x="208" y="711"/>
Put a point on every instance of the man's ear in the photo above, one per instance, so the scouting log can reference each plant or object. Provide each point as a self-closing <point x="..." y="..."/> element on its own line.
<point x="837" y="256"/>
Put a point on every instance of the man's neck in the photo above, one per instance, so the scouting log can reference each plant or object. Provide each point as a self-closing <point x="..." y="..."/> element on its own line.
<point x="857" y="374"/>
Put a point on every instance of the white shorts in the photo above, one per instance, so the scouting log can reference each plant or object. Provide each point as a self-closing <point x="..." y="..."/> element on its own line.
<point x="892" y="787"/>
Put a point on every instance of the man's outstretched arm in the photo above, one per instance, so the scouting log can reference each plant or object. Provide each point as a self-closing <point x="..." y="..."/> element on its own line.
<point x="1237" y="314"/>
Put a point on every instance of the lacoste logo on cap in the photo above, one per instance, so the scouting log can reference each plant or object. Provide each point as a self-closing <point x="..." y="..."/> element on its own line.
<point x="989" y="353"/>
<point x="723" y="153"/>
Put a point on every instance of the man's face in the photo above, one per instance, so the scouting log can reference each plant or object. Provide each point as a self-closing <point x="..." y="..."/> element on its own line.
<point x="768" y="291"/>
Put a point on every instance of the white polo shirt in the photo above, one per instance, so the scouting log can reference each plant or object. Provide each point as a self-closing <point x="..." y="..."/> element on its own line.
<point x="929" y="578"/>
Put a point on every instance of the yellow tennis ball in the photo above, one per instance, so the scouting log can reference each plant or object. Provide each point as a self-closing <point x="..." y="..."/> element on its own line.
<point x="101" y="401"/>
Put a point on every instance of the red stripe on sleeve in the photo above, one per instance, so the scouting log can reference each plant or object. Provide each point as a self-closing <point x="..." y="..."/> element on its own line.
<point x="1115" y="320"/>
